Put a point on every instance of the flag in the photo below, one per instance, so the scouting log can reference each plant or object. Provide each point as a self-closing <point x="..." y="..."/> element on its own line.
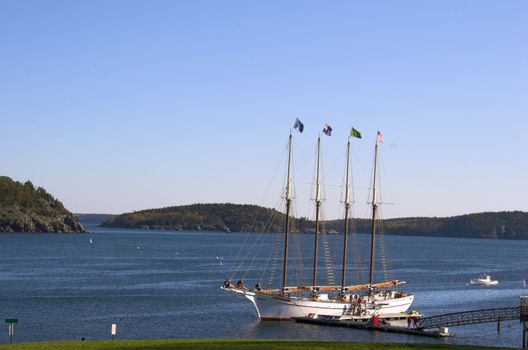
<point x="380" y="137"/>
<point x="355" y="133"/>
<point x="327" y="130"/>
<point x="298" y="125"/>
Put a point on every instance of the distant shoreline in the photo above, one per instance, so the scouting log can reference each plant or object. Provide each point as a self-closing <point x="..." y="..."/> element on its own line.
<point x="227" y="217"/>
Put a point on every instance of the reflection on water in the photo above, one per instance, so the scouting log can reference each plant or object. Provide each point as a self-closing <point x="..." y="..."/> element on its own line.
<point x="166" y="285"/>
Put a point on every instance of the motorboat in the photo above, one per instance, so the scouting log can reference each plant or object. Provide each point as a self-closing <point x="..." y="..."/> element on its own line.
<point x="483" y="280"/>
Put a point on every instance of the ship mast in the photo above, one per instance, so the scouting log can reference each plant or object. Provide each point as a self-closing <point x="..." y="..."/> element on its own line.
<point x="317" y="208"/>
<point x="345" y="233"/>
<point x="374" y="208"/>
<point x="287" y="225"/>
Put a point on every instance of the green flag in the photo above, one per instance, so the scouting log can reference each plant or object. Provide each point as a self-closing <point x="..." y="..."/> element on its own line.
<point x="355" y="133"/>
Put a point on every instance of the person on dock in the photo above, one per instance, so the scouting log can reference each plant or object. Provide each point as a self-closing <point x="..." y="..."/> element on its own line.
<point x="409" y="321"/>
<point x="416" y="319"/>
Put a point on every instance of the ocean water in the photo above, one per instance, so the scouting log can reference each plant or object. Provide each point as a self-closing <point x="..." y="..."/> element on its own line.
<point x="156" y="284"/>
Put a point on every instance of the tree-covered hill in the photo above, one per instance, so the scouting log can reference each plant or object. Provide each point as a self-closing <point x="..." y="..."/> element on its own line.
<point x="203" y="217"/>
<point x="493" y="225"/>
<point x="24" y="208"/>
<point x="252" y="218"/>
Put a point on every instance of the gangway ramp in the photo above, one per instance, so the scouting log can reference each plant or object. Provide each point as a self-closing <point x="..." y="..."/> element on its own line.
<point x="470" y="317"/>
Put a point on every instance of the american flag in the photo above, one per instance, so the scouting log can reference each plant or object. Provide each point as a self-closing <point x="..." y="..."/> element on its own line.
<point x="380" y="137"/>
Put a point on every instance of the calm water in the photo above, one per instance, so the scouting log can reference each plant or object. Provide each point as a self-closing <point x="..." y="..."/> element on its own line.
<point x="166" y="285"/>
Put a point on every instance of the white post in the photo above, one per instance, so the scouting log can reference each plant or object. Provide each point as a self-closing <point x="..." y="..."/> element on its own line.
<point x="11" y="332"/>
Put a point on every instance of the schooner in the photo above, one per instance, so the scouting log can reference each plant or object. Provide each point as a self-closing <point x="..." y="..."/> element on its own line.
<point x="363" y="300"/>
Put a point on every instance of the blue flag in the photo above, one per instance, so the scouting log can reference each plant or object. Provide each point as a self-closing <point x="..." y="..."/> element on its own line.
<point x="327" y="130"/>
<point x="298" y="125"/>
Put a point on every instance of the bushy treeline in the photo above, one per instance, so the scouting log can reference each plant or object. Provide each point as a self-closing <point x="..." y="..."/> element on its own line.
<point x="36" y="200"/>
<point x="251" y="218"/>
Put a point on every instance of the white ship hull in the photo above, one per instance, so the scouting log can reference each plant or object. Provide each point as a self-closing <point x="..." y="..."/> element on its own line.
<point x="483" y="283"/>
<point x="274" y="307"/>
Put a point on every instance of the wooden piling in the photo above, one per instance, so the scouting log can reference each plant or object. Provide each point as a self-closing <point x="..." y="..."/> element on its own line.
<point x="524" y="320"/>
<point x="525" y="336"/>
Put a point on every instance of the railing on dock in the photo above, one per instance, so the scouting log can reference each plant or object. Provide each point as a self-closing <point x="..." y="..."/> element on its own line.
<point x="470" y="317"/>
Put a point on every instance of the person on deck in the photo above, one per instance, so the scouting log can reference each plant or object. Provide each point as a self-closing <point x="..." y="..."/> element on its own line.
<point x="240" y="285"/>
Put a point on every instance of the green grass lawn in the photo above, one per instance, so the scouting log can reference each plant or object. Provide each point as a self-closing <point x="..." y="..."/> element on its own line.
<point x="224" y="344"/>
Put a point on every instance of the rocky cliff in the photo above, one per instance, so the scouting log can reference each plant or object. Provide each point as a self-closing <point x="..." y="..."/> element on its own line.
<point x="24" y="208"/>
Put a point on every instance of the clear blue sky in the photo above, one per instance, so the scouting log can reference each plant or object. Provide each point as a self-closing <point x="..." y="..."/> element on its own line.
<point x="115" y="106"/>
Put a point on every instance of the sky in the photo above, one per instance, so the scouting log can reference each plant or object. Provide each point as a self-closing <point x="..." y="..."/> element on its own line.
<point x="116" y="106"/>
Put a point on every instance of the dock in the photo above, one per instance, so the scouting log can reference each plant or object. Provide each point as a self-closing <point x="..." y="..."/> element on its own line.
<point x="324" y="321"/>
<point x="433" y="326"/>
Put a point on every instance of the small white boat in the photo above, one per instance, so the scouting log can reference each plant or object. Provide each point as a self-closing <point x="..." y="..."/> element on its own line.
<point x="483" y="280"/>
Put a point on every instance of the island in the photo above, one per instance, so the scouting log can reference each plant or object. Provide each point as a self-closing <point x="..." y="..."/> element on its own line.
<point x="202" y="217"/>
<point x="229" y="217"/>
<point x="24" y="208"/>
